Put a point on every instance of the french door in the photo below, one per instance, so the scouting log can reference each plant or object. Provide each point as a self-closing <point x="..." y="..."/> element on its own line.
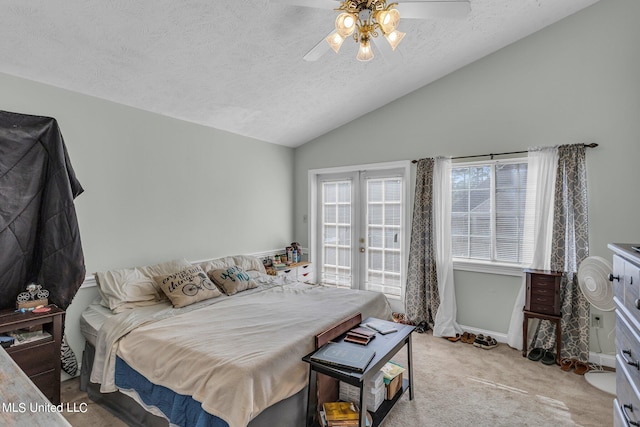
<point x="360" y="233"/>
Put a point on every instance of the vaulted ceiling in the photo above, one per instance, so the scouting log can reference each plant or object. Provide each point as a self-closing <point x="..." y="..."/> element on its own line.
<point x="237" y="65"/>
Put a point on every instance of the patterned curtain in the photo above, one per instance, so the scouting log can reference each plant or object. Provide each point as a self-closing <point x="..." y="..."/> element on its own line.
<point x="570" y="246"/>
<point x="421" y="295"/>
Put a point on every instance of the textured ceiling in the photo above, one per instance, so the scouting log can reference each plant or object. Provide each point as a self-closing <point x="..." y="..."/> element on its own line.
<point x="237" y="65"/>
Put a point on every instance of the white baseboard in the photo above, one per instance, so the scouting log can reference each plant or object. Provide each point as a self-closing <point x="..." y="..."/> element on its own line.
<point x="608" y="360"/>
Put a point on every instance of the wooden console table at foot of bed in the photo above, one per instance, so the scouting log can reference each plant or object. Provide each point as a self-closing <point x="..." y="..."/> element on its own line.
<point x="385" y="346"/>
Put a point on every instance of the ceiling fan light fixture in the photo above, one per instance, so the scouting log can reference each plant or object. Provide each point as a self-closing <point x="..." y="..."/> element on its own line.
<point x="335" y="40"/>
<point x="388" y="20"/>
<point x="394" y="38"/>
<point x="346" y="24"/>
<point x="365" y="53"/>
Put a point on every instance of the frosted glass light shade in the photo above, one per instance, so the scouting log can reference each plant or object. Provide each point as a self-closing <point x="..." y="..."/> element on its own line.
<point x="365" y="53"/>
<point x="394" y="38"/>
<point x="335" y="41"/>
<point x="388" y="20"/>
<point x="345" y="24"/>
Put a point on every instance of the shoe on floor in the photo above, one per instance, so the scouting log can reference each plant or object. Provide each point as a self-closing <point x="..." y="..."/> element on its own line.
<point x="397" y="317"/>
<point x="454" y="339"/>
<point x="549" y="358"/>
<point x="489" y="343"/>
<point x="422" y="327"/>
<point x="536" y="354"/>
<point x="479" y="341"/>
<point x="581" y="368"/>
<point x="468" y="338"/>
<point x="567" y="364"/>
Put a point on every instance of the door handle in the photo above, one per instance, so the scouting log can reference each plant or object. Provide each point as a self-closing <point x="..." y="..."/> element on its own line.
<point x="362" y="250"/>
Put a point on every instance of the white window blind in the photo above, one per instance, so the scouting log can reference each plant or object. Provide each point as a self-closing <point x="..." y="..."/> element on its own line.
<point x="488" y="203"/>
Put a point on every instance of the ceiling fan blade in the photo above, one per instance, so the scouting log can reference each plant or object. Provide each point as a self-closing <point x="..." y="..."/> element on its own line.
<point x="318" y="50"/>
<point x="318" y="4"/>
<point x="433" y="9"/>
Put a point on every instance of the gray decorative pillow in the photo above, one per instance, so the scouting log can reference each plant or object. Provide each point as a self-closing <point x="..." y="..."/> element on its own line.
<point x="187" y="286"/>
<point x="232" y="279"/>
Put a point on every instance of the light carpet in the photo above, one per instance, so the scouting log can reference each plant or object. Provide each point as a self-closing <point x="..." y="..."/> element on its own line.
<point x="459" y="384"/>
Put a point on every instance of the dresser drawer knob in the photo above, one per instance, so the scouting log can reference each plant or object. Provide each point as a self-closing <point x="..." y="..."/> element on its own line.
<point x="626" y="415"/>
<point x="612" y="277"/>
<point x="633" y="363"/>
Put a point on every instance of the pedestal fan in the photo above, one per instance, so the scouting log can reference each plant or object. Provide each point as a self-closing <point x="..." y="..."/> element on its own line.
<point x="593" y="279"/>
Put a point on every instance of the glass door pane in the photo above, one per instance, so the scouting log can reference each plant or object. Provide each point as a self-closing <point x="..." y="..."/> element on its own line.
<point x="384" y="235"/>
<point x="336" y="229"/>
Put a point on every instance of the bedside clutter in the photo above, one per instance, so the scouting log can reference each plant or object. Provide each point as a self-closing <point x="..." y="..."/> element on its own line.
<point x="36" y="346"/>
<point x="298" y="271"/>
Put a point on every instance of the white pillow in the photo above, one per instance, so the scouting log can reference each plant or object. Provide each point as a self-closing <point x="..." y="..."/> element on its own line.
<point x="246" y="262"/>
<point x="217" y="263"/>
<point x="134" y="287"/>
<point x="249" y="263"/>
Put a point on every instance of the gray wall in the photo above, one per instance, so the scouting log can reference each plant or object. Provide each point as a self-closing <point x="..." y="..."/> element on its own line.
<point x="158" y="188"/>
<point x="575" y="81"/>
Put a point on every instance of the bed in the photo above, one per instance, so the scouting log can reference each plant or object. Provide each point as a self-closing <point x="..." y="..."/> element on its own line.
<point x="232" y="360"/>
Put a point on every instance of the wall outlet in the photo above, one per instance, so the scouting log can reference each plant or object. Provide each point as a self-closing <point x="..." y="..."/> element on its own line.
<point x="596" y="321"/>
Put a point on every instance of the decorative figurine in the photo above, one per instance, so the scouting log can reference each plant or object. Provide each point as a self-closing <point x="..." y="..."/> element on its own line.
<point x="33" y="297"/>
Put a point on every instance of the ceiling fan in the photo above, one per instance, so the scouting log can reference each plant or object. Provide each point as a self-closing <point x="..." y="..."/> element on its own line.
<point x="365" y="20"/>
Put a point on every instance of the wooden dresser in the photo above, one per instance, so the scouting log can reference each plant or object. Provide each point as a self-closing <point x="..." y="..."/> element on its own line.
<point x="626" y="290"/>
<point x="543" y="292"/>
<point x="39" y="359"/>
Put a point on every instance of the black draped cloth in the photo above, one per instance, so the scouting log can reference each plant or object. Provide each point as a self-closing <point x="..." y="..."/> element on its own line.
<point x="39" y="234"/>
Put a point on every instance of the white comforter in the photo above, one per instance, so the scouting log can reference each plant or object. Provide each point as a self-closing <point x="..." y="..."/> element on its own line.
<point x="236" y="355"/>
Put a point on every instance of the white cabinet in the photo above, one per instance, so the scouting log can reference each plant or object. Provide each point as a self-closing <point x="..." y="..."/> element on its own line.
<point x="298" y="272"/>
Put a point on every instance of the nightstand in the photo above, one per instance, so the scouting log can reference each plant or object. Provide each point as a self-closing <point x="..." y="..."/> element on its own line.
<point x="298" y="271"/>
<point x="39" y="359"/>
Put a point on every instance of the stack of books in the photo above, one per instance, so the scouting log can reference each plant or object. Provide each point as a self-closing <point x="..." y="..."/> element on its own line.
<point x="391" y="369"/>
<point x="23" y="336"/>
<point x="341" y="414"/>
<point x="344" y="356"/>
<point x="360" y="335"/>
<point x="392" y="373"/>
<point x="374" y="392"/>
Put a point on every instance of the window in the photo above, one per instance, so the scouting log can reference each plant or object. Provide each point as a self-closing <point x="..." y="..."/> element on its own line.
<point x="487" y="212"/>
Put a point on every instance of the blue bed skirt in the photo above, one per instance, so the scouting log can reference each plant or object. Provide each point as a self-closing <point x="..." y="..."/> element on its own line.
<point x="181" y="410"/>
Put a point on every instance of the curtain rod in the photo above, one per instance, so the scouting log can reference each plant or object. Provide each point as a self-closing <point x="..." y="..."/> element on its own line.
<point x="592" y="145"/>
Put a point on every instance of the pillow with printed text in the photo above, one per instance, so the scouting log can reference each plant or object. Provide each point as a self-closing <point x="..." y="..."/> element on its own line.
<point x="187" y="286"/>
<point x="232" y="279"/>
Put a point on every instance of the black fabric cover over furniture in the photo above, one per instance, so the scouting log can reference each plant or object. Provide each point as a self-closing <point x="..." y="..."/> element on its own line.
<point x="39" y="234"/>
